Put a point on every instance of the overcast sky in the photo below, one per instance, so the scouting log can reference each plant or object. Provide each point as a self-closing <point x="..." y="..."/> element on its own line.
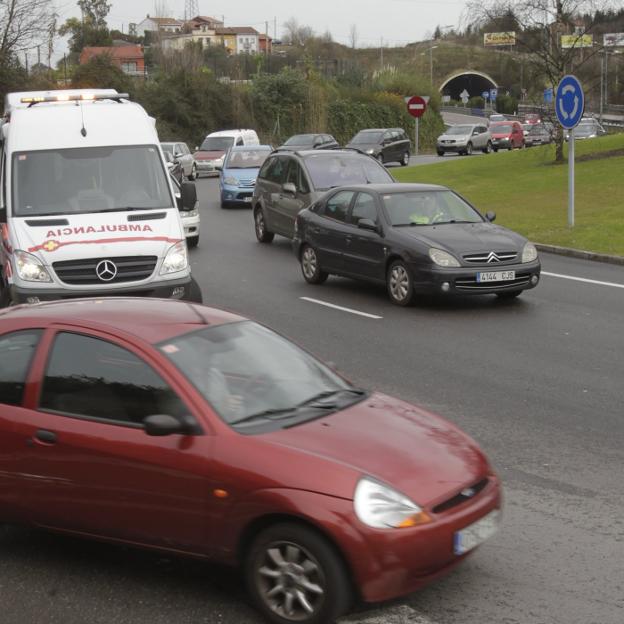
<point x="397" y="21"/>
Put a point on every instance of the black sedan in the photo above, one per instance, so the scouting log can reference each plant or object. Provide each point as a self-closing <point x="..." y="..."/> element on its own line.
<point x="414" y="238"/>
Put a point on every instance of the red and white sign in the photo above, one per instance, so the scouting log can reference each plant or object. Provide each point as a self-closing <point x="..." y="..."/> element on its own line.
<point x="416" y="106"/>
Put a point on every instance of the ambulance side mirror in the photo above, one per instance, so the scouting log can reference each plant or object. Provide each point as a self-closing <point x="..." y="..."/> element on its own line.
<point x="3" y="215"/>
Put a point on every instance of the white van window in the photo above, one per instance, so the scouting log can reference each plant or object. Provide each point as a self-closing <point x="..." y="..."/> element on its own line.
<point x="217" y="144"/>
<point x="89" y="179"/>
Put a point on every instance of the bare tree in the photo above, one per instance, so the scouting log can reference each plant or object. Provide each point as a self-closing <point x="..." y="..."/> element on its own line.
<point x="296" y="33"/>
<point x="353" y="36"/>
<point x="24" y="24"/>
<point x="539" y="26"/>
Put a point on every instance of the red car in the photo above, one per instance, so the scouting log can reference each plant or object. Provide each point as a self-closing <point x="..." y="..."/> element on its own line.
<point x="507" y="135"/>
<point x="194" y="431"/>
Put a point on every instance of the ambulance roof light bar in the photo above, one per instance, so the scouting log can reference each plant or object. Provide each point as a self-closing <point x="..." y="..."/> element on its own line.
<point x="74" y="97"/>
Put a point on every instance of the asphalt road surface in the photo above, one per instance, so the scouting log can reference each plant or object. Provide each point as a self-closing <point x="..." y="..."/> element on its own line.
<point x="538" y="382"/>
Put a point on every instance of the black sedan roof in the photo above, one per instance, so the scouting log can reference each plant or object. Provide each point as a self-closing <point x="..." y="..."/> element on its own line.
<point x="393" y="187"/>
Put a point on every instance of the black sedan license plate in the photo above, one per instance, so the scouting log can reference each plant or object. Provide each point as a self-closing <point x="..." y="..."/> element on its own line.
<point x="496" y="276"/>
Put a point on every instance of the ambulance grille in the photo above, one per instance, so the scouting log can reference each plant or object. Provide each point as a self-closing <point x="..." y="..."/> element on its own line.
<point x="83" y="272"/>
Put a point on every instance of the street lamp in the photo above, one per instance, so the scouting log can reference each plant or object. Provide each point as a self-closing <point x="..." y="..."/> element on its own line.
<point x="604" y="80"/>
<point x="430" y="50"/>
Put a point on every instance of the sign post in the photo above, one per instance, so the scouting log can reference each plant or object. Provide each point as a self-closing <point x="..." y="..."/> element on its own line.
<point x="416" y="107"/>
<point x="569" y="107"/>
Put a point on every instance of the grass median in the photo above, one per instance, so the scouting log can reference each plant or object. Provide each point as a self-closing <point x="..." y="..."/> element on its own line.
<point x="529" y="193"/>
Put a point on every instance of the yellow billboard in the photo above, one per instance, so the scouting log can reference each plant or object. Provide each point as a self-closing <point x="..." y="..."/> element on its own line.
<point x="577" y="41"/>
<point x="499" y="39"/>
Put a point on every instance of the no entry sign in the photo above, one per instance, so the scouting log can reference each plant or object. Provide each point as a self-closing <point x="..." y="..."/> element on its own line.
<point x="416" y="106"/>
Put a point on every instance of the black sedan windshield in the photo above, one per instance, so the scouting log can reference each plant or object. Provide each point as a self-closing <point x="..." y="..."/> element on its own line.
<point x="366" y="137"/>
<point x="89" y="179"/>
<point x="328" y="171"/>
<point x="301" y="139"/>
<point x="428" y="208"/>
<point x="248" y="373"/>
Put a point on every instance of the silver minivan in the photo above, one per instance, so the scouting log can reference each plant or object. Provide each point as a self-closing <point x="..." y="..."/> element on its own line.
<point x="464" y="139"/>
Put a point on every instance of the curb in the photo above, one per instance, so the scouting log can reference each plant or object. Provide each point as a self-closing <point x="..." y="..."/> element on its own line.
<point x="579" y="253"/>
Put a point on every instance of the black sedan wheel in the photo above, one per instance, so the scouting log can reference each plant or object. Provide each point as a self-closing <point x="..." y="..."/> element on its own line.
<point x="294" y="575"/>
<point x="310" y="266"/>
<point x="262" y="234"/>
<point x="405" y="159"/>
<point x="399" y="284"/>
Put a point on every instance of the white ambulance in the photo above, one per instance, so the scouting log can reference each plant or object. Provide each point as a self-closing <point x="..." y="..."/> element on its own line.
<point x="86" y="204"/>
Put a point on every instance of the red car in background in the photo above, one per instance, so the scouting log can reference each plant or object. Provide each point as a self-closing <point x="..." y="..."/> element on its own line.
<point x="532" y="118"/>
<point x="194" y="431"/>
<point x="507" y="135"/>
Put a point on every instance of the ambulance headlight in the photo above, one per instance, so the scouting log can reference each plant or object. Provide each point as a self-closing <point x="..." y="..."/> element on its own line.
<point x="29" y="268"/>
<point x="175" y="260"/>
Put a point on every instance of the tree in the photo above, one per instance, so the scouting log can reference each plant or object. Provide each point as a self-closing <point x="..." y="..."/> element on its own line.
<point x="100" y="72"/>
<point x="91" y="30"/>
<point x="24" y="24"/>
<point x="539" y="25"/>
<point x="95" y="12"/>
<point x="296" y="33"/>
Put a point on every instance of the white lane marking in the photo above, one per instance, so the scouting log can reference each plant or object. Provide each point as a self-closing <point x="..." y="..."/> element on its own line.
<point x="401" y="614"/>
<point x="582" y="279"/>
<point x="337" y="307"/>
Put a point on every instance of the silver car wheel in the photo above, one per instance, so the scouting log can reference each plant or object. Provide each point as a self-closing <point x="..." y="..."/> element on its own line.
<point x="290" y="581"/>
<point x="259" y="223"/>
<point x="309" y="263"/>
<point x="399" y="283"/>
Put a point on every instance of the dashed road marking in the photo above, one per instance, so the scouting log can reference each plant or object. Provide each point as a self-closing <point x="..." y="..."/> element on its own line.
<point x="401" y="614"/>
<point x="583" y="279"/>
<point x="341" y="308"/>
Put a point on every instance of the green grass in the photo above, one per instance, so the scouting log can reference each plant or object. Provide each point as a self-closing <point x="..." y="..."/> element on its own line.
<point x="530" y="194"/>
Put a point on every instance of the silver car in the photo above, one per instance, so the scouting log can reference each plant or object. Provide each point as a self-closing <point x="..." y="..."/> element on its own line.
<point x="182" y="154"/>
<point x="464" y="139"/>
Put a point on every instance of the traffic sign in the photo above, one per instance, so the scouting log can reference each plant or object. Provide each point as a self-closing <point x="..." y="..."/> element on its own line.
<point x="464" y="96"/>
<point x="493" y="94"/>
<point x="416" y="106"/>
<point x="548" y="95"/>
<point x="569" y="102"/>
<point x="485" y="95"/>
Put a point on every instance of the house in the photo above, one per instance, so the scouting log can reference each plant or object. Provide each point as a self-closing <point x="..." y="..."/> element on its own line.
<point x="265" y="44"/>
<point x="240" y="39"/>
<point x="203" y="23"/>
<point x="128" y="58"/>
<point x="161" y="25"/>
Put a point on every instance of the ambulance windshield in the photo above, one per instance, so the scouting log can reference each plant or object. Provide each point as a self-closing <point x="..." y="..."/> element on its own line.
<point x="89" y="179"/>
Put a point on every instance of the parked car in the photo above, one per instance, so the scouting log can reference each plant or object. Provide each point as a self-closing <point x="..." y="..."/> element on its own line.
<point x="532" y="118"/>
<point x="209" y="155"/>
<point x="414" y="238"/>
<point x="185" y="429"/>
<point x="496" y="117"/>
<point x="384" y="144"/>
<point x="507" y="135"/>
<point x="237" y="178"/>
<point x="174" y="167"/>
<point x="310" y="141"/>
<point x="290" y="181"/>
<point x="190" y="217"/>
<point x="588" y="128"/>
<point x="464" y="139"/>
<point x="538" y="135"/>
<point x="182" y="154"/>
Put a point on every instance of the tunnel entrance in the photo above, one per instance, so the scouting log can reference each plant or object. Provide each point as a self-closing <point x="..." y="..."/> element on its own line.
<point x="473" y="81"/>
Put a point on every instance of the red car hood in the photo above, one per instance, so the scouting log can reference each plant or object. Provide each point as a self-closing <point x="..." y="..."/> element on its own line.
<point x="208" y="155"/>
<point x="414" y="451"/>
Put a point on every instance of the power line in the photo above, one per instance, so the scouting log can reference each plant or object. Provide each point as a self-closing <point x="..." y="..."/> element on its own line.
<point x="191" y="9"/>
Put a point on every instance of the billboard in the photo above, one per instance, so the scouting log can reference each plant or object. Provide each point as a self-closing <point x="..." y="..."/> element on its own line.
<point x="577" y="41"/>
<point x="613" y="40"/>
<point x="499" y="39"/>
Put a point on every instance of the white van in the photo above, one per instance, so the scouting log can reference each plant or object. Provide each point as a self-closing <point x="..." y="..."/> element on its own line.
<point x="210" y="154"/>
<point x="87" y="207"/>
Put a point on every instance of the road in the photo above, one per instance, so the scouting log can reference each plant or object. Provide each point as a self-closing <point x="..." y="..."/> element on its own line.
<point x="536" y="381"/>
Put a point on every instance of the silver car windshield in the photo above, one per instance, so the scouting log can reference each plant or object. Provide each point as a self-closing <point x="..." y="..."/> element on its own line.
<point x="329" y="171"/>
<point x="245" y="370"/>
<point x="89" y="179"/>
<point x="428" y="208"/>
<point x="460" y="130"/>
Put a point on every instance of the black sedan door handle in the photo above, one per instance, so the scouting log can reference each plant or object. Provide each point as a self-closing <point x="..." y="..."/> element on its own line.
<point x="47" y="437"/>
<point x="316" y="230"/>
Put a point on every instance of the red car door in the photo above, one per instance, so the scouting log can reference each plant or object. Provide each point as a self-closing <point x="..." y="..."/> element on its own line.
<point x="87" y="464"/>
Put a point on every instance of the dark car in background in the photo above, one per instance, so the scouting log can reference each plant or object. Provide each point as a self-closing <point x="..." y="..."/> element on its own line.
<point x="290" y="181"/>
<point x="384" y="144"/>
<point x="414" y="238"/>
<point x="310" y="141"/>
<point x="538" y="134"/>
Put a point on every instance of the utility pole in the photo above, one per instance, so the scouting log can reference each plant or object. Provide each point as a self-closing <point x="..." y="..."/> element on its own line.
<point x="381" y="53"/>
<point x="26" y="61"/>
<point x="275" y="28"/>
<point x="39" y="55"/>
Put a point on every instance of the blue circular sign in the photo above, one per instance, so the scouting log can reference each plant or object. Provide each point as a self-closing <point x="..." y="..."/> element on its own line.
<point x="569" y="102"/>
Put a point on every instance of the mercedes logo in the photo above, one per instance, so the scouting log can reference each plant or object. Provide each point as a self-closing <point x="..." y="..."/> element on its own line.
<point x="468" y="492"/>
<point x="106" y="270"/>
<point x="493" y="257"/>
